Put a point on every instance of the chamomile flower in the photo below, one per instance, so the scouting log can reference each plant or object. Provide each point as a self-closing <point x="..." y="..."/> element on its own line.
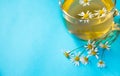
<point x="84" y="60"/>
<point x="76" y="59"/>
<point x="101" y="13"/>
<point x="84" y="2"/>
<point x="105" y="46"/>
<point x="90" y="45"/>
<point x="101" y="64"/>
<point x="93" y="52"/>
<point x="67" y="54"/>
<point x="86" y="16"/>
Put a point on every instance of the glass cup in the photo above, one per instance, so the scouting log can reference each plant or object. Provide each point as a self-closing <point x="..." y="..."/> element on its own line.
<point x="89" y="19"/>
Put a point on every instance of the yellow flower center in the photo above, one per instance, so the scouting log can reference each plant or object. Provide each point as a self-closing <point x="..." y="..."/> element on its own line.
<point x="85" y="1"/>
<point x="90" y="46"/>
<point x="93" y="52"/>
<point x="101" y="12"/>
<point x="86" y="59"/>
<point x="77" y="58"/>
<point x="104" y="46"/>
<point x="86" y="16"/>
<point x="66" y="54"/>
<point x="101" y="62"/>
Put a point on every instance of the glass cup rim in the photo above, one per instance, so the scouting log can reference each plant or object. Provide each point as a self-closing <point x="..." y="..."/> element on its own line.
<point x="72" y="17"/>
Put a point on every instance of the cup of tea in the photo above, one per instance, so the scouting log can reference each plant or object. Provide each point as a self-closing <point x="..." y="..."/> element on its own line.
<point x="89" y="19"/>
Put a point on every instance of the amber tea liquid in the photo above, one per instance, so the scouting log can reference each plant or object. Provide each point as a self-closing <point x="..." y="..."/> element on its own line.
<point x="97" y="27"/>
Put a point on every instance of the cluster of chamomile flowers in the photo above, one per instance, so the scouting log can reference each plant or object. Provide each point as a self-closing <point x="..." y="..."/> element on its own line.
<point x="91" y="50"/>
<point x="86" y="16"/>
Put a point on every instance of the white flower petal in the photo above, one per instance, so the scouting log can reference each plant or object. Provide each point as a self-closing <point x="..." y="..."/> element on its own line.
<point x="80" y="20"/>
<point x="87" y="21"/>
<point x="82" y="2"/>
<point x="89" y="41"/>
<point x="76" y="63"/>
<point x="81" y="14"/>
<point x="97" y="56"/>
<point x="101" y="65"/>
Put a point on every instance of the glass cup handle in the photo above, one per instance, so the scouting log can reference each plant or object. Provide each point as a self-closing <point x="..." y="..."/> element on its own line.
<point x="116" y="20"/>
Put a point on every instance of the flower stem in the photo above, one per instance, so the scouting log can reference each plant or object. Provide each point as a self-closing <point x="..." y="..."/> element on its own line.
<point x="76" y="49"/>
<point x="113" y="39"/>
<point x="82" y="52"/>
<point x="102" y="55"/>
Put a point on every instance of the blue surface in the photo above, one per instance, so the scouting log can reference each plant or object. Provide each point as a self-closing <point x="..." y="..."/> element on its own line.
<point x="32" y="35"/>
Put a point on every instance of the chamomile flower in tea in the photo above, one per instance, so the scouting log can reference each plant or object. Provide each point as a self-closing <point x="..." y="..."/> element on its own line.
<point x="86" y="16"/>
<point x="84" y="2"/>
<point x="101" y="13"/>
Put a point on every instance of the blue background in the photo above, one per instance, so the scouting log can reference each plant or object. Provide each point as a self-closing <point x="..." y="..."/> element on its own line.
<point x="32" y="35"/>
